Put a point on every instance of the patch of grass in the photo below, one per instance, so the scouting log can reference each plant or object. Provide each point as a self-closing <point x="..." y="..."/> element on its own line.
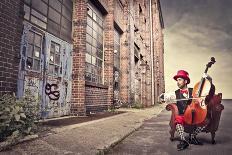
<point x="137" y="105"/>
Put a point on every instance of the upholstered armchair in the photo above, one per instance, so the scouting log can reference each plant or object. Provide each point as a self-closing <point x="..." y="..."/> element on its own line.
<point x="214" y="109"/>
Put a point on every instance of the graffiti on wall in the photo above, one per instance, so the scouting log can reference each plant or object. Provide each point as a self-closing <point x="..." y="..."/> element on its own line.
<point x="51" y="91"/>
<point x="32" y="85"/>
<point x="57" y="97"/>
<point x="116" y="84"/>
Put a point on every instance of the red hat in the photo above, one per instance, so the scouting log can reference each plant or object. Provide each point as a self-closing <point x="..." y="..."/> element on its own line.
<point x="182" y="74"/>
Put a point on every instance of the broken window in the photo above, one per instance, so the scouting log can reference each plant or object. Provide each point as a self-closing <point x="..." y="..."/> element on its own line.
<point x="33" y="52"/>
<point x="54" y="59"/>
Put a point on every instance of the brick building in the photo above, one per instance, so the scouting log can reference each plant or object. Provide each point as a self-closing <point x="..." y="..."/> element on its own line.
<point x="82" y="56"/>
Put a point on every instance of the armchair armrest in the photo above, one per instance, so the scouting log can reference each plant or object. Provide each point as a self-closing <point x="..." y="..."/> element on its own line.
<point x="214" y="110"/>
<point x="172" y="107"/>
<point x="215" y="103"/>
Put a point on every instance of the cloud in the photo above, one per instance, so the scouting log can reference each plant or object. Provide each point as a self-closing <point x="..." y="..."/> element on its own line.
<point x="202" y="35"/>
<point x="194" y="35"/>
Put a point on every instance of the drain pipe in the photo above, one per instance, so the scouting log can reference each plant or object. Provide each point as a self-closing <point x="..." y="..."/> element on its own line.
<point x="152" y="56"/>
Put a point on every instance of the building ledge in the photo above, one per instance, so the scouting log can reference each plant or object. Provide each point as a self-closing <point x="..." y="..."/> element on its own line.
<point x="92" y="84"/>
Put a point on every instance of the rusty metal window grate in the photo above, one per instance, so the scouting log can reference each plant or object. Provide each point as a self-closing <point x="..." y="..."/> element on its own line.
<point x="94" y="45"/>
<point x="34" y="47"/>
<point x="54" y="59"/>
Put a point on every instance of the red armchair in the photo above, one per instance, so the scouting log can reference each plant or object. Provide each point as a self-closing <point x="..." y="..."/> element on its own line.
<point x="214" y="110"/>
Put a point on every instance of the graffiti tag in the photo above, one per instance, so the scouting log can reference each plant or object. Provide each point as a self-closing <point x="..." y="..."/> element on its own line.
<point x="31" y="83"/>
<point x="53" y="95"/>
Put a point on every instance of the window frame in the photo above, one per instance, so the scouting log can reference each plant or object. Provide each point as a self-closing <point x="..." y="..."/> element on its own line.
<point x="94" y="45"/>
<point x="45" y="22"/>
<point x="53" y="63"/>
<point x="33" y="57"/>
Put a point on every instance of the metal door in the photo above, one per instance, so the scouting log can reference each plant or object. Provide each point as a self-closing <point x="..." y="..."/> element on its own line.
<point x="57" y="80"/>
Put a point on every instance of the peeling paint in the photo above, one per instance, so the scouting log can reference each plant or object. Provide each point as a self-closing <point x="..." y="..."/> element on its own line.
<point x="53" y="89"/>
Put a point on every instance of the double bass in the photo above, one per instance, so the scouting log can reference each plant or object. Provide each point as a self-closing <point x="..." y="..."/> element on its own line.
<point x="196" y="111"/>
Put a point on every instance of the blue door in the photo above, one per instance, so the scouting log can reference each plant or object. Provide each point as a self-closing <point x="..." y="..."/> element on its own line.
<point x="45" y="70"/>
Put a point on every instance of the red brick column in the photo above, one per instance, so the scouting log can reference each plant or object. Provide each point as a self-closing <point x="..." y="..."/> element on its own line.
<point x="79" y="48"/>
<point x="155" y="37"/>
<point x="124" y="59"/>
<point x="148" y="86"/>
<point x="109" y="50"/>
<point x="158" y="47"/>
<point x="11" y="26"/>
<point x="143" y="84"/>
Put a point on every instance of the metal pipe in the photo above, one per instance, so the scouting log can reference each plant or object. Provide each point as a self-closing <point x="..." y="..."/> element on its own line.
<point x="152" y="56"/>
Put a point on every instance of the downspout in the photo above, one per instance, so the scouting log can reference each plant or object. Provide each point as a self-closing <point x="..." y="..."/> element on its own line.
<point x="152" y="56"/>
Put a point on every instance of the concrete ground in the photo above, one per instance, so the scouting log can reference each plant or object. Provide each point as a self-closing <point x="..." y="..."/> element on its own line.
<point x="92" y="137"/>
<point x="153" y="138"/>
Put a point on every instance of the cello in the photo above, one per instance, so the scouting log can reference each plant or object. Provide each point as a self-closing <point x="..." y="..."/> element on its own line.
<point x="196" y="111"/>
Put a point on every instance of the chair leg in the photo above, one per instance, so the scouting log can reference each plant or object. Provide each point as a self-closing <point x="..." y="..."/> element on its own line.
<point x="189" y="136"/>
<point x="212" y="137"/>
<point x="172" y="132"/>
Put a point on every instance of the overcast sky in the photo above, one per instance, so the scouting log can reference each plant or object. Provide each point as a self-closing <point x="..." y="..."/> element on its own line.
<point x="196" y="30"/>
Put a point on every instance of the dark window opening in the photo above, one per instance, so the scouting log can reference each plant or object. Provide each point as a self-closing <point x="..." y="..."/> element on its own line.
<point x="140" y="9"/>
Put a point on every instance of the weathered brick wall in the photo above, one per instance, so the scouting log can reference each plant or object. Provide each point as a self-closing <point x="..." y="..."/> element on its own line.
<point x="96" y="99"/>
<point x="109" y="50"/>
<point x="147" y="50"/>
<point x="104" y="3"/>
<point x="131" y="52"/>
<point x="159" y="52"/>
<point x="143" y="38"/>
<point x="124" y="57"/>
<point x="88" y="96"/>
<point x="79" y="49"/>
<point x="161" y="60"/>
<point x="139" y="33"/>
<point x="118" y="12"/>
<point x="158" y="49"/>
<point x="131" y="16"/>
<point x="11" y="17"/>
<point x="148" y="87"/>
